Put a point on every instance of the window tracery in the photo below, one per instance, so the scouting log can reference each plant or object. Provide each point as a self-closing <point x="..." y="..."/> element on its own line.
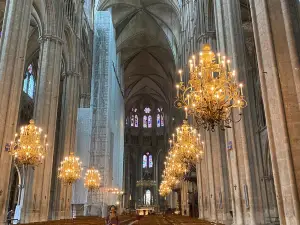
<point x="134" y="118"/>
<point x="160" y="118"/>
<point x="147" y="119"/>
<point x="147" y="161"/>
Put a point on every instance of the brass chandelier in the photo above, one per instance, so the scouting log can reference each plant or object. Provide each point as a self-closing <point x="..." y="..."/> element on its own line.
<point x="211" y="92"/>
<point x="186" y="149"/>
<point x="112" y="190"/>
<point x="186" y="145"/>
<point x="29" y="149"/>
<point x="92" y="179"/>
<point x="165" y="188"/>
<point x="70" y="169"/>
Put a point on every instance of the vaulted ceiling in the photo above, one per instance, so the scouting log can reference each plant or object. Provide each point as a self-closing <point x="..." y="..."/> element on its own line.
<point x="147" y="34"/>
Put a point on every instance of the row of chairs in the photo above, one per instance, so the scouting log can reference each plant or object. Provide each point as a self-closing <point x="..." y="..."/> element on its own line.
<point x="124" y="220"/>
<point x="188" y="220"/>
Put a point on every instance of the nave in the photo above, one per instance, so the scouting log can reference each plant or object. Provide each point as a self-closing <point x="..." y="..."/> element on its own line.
<point x="131" y="220"/>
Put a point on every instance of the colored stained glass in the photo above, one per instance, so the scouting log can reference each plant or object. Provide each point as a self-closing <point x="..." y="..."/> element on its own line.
<point x="30" y="90"/>
<point x="158" y="120"/>
<point x="132" y="121"/>
<point x="29" y="83"/>
<point x="150" y="161"/>
<point x="145" y="121"/>
<point x="162" y="120"/>
<point x="147" y="110"/>
<point x="29" y="69"/>
<point x="145" y="159"/>
<point x="149" y="121"/>
<point x="136" y="121"/>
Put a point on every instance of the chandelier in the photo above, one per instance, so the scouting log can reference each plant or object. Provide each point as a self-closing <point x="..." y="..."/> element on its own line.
<point x="29" y="148"/>
<point x="186" y="149"/>
<point x="70" y="169"/>
<point x="113" y="191"/>
<point x="186" y="145"/>
<point x="164" y="188"/>
<point x="92" y="179"/>
<point x="211" y="92"/>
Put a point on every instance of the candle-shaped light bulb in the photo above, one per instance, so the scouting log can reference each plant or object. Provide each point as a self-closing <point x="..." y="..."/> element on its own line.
<point x="177" y="89"/>
<point x="186" y="112"/>
<point x="180" y="74"/>
<point x="228" y="65"/>
<point x="241" y="86"/>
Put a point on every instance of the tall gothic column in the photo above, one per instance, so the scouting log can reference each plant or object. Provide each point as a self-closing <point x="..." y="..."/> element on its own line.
<point x="211" y="176"/>
<point x="200" y="190"/>
<point x="244" y="177"/>
<point x="37" y="202"/>
<point x="67" y="138"/>
<point x="278" y="63"/>
<point x="13" y="46"/>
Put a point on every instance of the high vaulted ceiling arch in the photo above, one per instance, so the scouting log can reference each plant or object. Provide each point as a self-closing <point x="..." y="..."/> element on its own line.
<point x="147" y="38"/>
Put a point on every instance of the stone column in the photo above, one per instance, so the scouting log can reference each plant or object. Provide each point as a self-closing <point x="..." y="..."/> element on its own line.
<point x="200" y="190"/>
<point x="38" y="193"/>
<point x="244" y="177"/>
<point x="211" y="178"/>
<point x="277" y="62"/>
<point x="67" y="137"/>
<point x="13" y="46"/>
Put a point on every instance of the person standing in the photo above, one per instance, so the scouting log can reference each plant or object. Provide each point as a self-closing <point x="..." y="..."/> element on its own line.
<point x="112" y="218"/>
<point x="10" y="216"/>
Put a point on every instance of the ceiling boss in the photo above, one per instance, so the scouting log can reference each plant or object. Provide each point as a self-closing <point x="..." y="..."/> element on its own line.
<point x="211" y="92"/>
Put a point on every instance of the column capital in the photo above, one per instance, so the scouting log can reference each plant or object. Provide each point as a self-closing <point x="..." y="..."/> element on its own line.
<point x="50" y="37"/>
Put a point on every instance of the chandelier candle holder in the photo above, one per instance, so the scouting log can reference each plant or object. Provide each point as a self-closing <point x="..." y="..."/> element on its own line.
<point x="92" y="179"/>
<point x="29" y="149"/>
<point x="70" y="169"/>
<point x="212" y="91"/>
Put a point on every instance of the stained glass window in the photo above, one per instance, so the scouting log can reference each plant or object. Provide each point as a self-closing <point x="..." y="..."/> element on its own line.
<point x="148" y="197"/>
<point x="147" y="110"/>
<point x="150" y="161"/>
<point x="30" y="69"/>
<point x="149" y="121"/>
<point x="162" y="120"/>
<point x="31" y="87"/>
<point x="158" y="120"/>
<point x="132" y="121"/>
<point x="145" y="159"/>
<point x="29" y="83"/>
<point x="145" y="122"/>
<point x="136" y="121"/>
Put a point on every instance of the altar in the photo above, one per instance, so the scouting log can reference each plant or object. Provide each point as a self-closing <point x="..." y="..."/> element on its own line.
<point x="144" y="211"/>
